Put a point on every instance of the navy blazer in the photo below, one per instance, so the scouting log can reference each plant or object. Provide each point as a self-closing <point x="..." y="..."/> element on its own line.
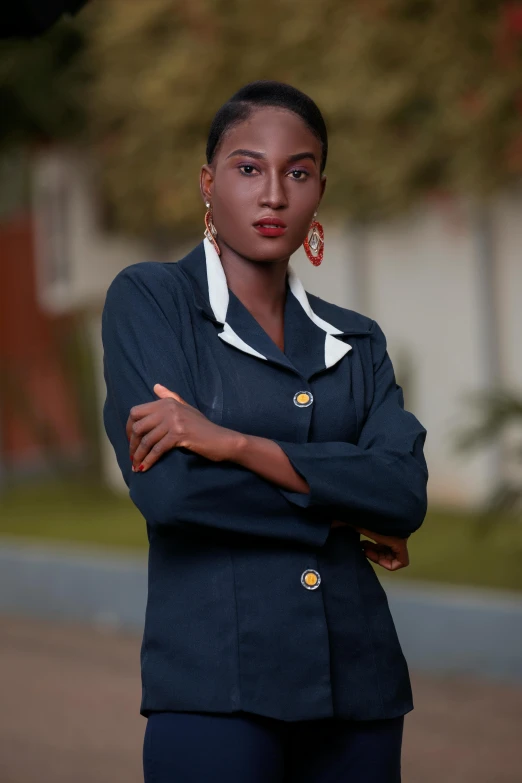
<point x="253" y="602"/>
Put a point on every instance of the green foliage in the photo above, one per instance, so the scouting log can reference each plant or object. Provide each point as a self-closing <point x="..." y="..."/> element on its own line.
<point x="419" y="96"/>
<point x="41" y="87"/>
<point x="497" y="413"/>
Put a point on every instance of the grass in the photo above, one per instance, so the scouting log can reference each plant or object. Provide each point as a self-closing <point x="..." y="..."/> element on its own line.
<point x="451" y="546"/>
<point x="76" y="512"/>
<point x="456" y="547"/>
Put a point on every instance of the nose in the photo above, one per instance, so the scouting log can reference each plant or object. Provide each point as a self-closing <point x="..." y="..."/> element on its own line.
<point x="273" y="195"/>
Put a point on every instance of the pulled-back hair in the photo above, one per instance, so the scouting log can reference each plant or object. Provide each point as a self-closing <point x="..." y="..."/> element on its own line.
<point x="266" y="93"/>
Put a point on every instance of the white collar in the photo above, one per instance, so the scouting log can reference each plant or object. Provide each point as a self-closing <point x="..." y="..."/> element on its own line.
<point x="334" y="349"/>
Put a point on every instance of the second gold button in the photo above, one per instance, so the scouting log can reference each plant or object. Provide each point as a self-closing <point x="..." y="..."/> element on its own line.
<point x="310" y="579"/>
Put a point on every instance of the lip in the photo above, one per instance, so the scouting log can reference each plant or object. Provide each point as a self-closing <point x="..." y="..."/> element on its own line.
<point x="270" y="227"/>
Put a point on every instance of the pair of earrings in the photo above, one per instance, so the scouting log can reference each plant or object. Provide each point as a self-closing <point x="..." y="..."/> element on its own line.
<point x="313" y="244"/>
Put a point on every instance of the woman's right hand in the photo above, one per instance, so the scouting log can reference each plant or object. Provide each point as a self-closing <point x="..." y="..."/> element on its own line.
<point x="390" y="552"/>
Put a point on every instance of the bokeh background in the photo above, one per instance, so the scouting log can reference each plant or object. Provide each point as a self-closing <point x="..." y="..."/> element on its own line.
<point x="103" y="120"/>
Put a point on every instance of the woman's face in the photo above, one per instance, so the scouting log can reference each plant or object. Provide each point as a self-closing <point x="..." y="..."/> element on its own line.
<point x="266" y="168"/>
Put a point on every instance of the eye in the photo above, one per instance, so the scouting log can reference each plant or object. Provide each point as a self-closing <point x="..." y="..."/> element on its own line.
<point x="247" y="169"/>
<point x="299" y="174"/>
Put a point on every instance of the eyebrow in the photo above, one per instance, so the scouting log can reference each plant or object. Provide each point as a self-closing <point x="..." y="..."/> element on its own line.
<point x="262" y="156"/>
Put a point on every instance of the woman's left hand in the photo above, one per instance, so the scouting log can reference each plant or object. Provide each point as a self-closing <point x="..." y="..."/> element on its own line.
<point x="156" y="427"/>
<point x="390" y="552"/>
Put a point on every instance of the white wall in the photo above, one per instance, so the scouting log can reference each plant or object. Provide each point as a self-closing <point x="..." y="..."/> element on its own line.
<point x="508" y="217"/>
<point x="422" y="286"/>
<point x="75" y="260"/>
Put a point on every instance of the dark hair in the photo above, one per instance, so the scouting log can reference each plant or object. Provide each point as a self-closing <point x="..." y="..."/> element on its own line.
<point x="266" y="93"/>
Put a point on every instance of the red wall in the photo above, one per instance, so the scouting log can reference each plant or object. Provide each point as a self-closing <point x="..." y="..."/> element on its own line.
<point x="30" y="364"/>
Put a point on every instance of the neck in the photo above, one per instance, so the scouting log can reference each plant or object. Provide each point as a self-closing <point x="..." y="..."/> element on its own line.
<point x="259" y="285"/>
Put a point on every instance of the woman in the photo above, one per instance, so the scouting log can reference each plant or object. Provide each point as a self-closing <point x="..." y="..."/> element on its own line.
<point x="266" y="432"/>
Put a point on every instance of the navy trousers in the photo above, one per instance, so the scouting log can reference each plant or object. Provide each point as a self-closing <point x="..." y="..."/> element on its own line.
<point x="191" y="747"/>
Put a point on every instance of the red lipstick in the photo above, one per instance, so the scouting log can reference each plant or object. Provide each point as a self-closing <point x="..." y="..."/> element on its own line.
<point x="270" y="227"/>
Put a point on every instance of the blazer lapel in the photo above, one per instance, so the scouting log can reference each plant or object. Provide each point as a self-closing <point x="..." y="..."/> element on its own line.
<point x="312" y="344"/>
<point x="247" y="329"/>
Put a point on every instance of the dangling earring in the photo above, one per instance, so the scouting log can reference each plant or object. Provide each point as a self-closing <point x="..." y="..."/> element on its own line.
<point x="210" y="229"/>
<point x="314" y="242"/>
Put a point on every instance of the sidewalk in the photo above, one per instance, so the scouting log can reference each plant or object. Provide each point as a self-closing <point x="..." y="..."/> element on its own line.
<point x="70" y="700"/>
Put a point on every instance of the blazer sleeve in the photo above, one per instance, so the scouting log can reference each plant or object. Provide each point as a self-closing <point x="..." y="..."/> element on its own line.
<point x="381" y="482"/>
<point x="142" y="347"/>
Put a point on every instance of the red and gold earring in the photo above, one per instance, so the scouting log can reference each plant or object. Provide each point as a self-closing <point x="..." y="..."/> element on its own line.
<point x="314" y="242"/>
<point x="210" y="230"/>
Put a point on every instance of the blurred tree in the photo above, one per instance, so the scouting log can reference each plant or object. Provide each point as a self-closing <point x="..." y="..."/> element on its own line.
<point x="498" y="414"/>
<point x="419" y="96"/>
<point x="41" y="84"/>
<point x="28" y="18"/>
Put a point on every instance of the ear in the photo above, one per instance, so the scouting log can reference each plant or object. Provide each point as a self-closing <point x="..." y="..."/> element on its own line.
<point x="206" y="182"/>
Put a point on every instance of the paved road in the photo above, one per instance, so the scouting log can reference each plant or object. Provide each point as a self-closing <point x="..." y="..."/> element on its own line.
<point x="69" y="714"/>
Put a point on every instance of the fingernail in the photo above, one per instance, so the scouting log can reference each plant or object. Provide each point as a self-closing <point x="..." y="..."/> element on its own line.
<point x="141" y="467"/>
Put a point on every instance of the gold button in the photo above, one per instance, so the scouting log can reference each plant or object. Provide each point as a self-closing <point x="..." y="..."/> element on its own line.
<point x="303" y="399"/>
<point x="310" y="579"/>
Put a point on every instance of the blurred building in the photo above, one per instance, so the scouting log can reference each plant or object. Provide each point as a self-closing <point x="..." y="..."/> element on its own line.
<point x="56" y="265"/>
<point x="75" y="258"/>
<point x="449" y="303"/>
<point x="447" y="291"/>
